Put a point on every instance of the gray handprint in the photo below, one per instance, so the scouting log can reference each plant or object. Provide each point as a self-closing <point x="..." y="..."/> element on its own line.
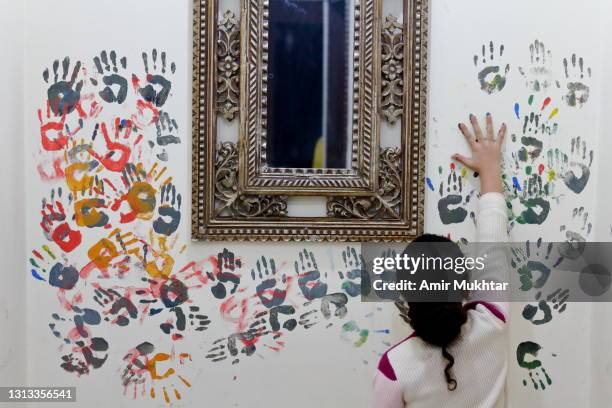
<point x="492" y="75"/>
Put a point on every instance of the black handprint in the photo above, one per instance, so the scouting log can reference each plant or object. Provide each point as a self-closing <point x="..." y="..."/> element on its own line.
<point x="265" y="273"/>
<point x="110" y="70"/>
<point x="578" y="92"/>
<point x="309" y="277"/>
<point x="453" y="195"/>
<point x="534" y="203"/>
<point x="227" y="265"/>
<point x="169" y="211"/>
<point x="228" y="346"/>
<point x="538" y="75"/>
<point x="579" y="160"/>
<point x="105" y="297"/>
<point x="158" y="87"/>
<point x="339" y="300"/>
<point x="63" y="94"/>
<point x="167" y="133"/>
<point x="490" y="76"/>
<point x="576" y="234"/>
<point x="309" y="318"/>
<point x="354" y="275"/>
<point x="533" y="259"/>
<point x="199" y="320"/>
<point x="74" y="364"/>
<point x="285" y="310"/>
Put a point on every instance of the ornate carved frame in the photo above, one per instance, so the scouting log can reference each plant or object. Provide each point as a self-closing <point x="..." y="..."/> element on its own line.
<point x="236" y="197"/>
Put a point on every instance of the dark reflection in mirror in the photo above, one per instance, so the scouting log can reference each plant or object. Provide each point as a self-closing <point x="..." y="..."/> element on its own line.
<point x="309" y="83"/>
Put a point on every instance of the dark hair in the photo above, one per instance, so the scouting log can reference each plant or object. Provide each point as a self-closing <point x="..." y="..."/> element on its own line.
<point x="436" y="318"/>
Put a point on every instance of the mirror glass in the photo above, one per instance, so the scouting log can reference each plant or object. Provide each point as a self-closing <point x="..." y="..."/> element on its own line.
<point x="310" y="83"/>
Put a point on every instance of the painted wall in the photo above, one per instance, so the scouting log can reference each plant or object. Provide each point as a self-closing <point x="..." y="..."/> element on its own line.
<point x="327" y="340"/>
<point x="12" y="242"/>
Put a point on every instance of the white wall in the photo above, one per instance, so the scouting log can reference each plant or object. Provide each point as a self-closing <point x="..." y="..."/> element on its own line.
<point x="459" y="29"/>
<point x="601" y="337"/>
<point x="12" y="240"/>
<point x="320" y="360"/>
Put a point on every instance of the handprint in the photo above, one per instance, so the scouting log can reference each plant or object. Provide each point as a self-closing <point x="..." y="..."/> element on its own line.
<point x="558" y="299"/>
<point x="54" y="135"/>
<point x="339" y="300"/>
<point x="453" y="199"/>
<point x="353" y="274"/>
<point x="491" y="77"/>
<point x="169" y="211"/>
<point x="388" y="275"/>
<point x="578" y="91"/>
<point x="526" y="354"/>
<point x="352" y="333"/>
<point x="538" y="75"/>
<point x="152" y="371"/>
<point x="92" y="355"/>
<point x="536" y="124"/>
<point x="180" y="321"/>
<point x="284" y="310"/>
<point x="86" y="348"/>
<point x="55" y="223"/>
<point x="157" y="256"/>
<point x="122" y="130"/>
<point x="576" y="234"/>
<point x="200" y="321"/>
<point x="157" y="88"/>
<point x="167" y="133"/>
<point x="64" y="93"/>
<point x="310" y="318"/>
<point x="529" y="203"/>
<point x="576" y="168"/>
<point x="227" y="265"/>
<point x="120" y="306"/>
<point x="90" y="211"/>
<point x="534" y="258"/>
<point x="271" y="288"/>
<point x="106" y="65"/>
<point x="309" y="277"/>
<point x="237" y="343"/>
<point x="140" y="196"/>
<point x="112" y="251"/>
<point x="47" y="267"/>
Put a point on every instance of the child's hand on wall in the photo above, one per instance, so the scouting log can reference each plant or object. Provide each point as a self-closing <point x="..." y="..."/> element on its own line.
<point x="486" y="153"/>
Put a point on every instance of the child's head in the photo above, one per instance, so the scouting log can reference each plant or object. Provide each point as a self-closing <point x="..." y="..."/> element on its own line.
<point x="435" y="315"/>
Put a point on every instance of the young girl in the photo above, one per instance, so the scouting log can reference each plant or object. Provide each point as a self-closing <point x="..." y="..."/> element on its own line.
<point x="456" y="356"/>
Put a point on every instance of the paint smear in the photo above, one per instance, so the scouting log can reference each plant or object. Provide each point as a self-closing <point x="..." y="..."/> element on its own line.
<point x="553" y="113"/>
<point x="37" y="276"/>
<point x="546" y="103"/>
<point x="517" y="110"/>
<point x="429" y="184"/>
<point x="516" y="183"/>
<point x="530" y="101"/>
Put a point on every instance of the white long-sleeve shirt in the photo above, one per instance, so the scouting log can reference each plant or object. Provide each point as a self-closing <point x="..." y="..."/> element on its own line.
<point x="411" y="374"/>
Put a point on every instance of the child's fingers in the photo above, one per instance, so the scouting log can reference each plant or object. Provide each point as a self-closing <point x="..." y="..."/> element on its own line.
<point x="468" y="136"/>
<point x="501" y="135"/>
<point x="466" y="161"/>
<point x="476" y="126"/>
<point x="489" y="121"/>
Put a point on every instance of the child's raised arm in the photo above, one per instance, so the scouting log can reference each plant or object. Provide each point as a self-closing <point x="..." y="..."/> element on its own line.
<point x="492" y="219"/>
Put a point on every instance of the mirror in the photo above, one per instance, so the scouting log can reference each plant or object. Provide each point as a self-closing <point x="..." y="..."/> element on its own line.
<point x="289" y="108"/>
<point x="310" y="83"/>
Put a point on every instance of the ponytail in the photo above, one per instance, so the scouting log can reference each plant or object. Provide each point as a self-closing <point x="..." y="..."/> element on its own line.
<point x="438" y="324"/>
